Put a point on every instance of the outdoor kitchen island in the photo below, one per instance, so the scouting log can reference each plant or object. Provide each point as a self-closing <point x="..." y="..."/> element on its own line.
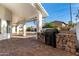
<point x="65" y="40"/>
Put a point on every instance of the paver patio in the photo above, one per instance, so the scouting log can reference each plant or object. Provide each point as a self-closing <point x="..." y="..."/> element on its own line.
<point x="28" y="47"/>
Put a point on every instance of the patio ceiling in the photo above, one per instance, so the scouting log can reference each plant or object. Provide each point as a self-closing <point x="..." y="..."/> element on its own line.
<point x="24" y="11"/>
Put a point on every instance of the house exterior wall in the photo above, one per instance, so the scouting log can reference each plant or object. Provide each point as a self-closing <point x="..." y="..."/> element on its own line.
<point x="1" y="12"/>
<point x="18" y="13"/>
<point x="5" y="15"/>
<point x="77" y="34"/>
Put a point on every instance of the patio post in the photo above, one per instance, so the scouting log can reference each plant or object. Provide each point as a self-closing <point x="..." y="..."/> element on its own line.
<point x="24" y="30"/>
<point x="17" y="30"/>
<point x="14" y="29"/>
<point x="39" y="24"/>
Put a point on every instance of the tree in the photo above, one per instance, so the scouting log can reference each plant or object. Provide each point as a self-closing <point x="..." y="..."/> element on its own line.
<point x="29" y="28"/>
<point x="77" y="15"/>
<point x="71" y="24"/>
<point x="48" y="25"/>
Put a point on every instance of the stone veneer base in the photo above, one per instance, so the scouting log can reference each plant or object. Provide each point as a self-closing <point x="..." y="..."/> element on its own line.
<point x="67" y="41"/>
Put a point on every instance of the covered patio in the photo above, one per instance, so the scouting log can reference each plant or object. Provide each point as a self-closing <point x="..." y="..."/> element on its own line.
<point x="13" y="16"/>
<point x="28" y="47"/>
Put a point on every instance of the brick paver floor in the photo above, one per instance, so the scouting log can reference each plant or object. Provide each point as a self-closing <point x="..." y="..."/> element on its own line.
<point x="28" y="47"/>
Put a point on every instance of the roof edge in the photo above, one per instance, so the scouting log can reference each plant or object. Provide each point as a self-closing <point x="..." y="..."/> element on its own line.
<point x="41" y="8"/>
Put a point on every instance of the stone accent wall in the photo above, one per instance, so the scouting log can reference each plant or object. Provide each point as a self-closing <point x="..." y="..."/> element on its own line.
<point x="41" y="37"/>
<point x="66" y="41"/>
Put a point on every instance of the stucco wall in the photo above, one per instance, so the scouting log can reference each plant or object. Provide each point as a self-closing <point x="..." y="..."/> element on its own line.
<point x="5" y="15"/>
<point x="1" y="12"/>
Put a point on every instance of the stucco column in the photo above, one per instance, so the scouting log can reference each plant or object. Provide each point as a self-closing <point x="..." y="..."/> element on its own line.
<point x="24" y="30"/>
<point x="17" y="30"/>
<point x="39" y="20"/>
<point x="14" y="29"/>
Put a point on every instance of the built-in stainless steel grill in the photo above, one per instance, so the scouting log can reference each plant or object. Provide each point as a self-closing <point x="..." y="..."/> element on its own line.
<point x="50" y="37"/>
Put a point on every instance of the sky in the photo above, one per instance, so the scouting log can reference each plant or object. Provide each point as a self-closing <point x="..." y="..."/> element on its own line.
<point x="58" y="12"/>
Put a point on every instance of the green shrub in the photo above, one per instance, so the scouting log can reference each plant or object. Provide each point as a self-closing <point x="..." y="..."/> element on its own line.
<point x="29" y="28"/>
